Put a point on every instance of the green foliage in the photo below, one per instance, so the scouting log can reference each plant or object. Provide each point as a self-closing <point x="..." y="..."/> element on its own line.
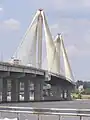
<point x="76" y="96"/>
<point x="86" y="84"/>
<point x="79" y="96"/>
<point x="76" y="91"/>
<point x="87" y="91"/>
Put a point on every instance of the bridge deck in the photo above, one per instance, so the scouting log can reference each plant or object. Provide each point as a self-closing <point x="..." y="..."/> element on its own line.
<point x="9" y="67"/>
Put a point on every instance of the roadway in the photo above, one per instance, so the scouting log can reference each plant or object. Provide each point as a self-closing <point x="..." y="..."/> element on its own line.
<point x="8" y="68"/>
<point x="77" y="104"/>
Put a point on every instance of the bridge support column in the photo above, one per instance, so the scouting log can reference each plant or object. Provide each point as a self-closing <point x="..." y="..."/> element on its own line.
<point x="26" y="90"/>
<point x="1" y="85"/>
<point x="59" y="92"/>
<point x="38" y="89"/>
<point x="56" y="91"/>
<point x="63" y="94"/>
<point x="69" y="95"/>
<point x="4" y="90"/>
<point x="15" y="84"/>
<point x="1" y="81"/>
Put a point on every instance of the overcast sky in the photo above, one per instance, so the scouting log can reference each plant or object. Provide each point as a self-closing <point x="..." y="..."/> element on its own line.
<point x="70" y="17"/>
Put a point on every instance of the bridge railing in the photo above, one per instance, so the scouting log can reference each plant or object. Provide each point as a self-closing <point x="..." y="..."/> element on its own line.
<point x="81" y="113"/>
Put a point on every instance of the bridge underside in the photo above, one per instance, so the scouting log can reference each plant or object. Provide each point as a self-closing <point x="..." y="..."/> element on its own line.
<point x="33" y="87"/>
<point x="61" y="89"/>
<point x="59" y="80"/>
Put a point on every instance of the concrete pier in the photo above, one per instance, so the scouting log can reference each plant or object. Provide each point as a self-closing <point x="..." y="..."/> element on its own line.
<point x="63" y="94"/>
<point x="26" y="90"/>
<point x="15" y="86"/>
<point x="38" y="89"/>
<point x="57" y="91"/>
<point x="4" y="90"/>
<point x="69" y="94"/>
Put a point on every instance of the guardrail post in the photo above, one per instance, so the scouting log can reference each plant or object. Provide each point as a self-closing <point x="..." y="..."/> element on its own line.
<point x="17" y="116"/>
<point x="59" y="117"/>
<point x="38" y="116"/>
<point x="81" y="118"/>
<point x="0" y="115"/>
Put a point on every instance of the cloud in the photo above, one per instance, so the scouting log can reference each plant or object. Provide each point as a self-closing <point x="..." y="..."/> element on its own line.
<point x="62" y="4"/>
<point x="75" y="52"/>
<point x="10" y="24"/>
<point x="1" y="9"/>
<point x="64" y="8"/>
<point x="76" y="35"/>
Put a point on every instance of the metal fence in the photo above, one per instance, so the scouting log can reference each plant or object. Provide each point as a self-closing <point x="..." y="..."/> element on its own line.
<point x="81" y="113"/>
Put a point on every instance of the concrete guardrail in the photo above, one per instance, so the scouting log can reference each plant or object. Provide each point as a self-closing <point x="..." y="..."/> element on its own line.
<point x="46" y="111"/>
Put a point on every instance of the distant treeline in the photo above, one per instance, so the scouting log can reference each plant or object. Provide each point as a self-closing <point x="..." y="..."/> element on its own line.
<point x="85" y="84"/>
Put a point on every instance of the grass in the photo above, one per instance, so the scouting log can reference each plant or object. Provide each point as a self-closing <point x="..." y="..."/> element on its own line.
<point x="80" y="96"/>
<point x="85" y="96"/>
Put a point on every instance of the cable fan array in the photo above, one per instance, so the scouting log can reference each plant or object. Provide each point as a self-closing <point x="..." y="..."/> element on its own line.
<point x="29" y="52"/>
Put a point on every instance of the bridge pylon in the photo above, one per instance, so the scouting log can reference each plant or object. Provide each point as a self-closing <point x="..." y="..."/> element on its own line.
<point x="29" y="52"/>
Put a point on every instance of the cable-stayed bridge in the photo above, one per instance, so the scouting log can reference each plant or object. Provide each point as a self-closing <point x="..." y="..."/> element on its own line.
<point x="26" y="66"/>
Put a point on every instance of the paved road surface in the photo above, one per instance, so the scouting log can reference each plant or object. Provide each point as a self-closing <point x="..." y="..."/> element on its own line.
<point x="79" y="104"/>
